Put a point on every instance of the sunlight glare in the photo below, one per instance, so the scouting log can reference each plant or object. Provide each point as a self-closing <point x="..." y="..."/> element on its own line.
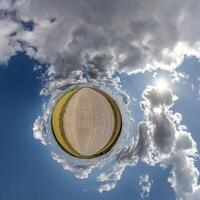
<point x="157" y="110"/>
<point x="161" y="84"/>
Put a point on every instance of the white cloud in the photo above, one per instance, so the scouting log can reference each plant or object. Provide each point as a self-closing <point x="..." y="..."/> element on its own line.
<point x="7" y="44"/>
<point x="170" y="143"/>
<point x="106" y="187"/>
<point x="81" y="171"/>
<point x="184" y="175"/>
<point x="83" y="168"/>
<point x="125" y="157"/>
<point x="163" y="140"/>
<point x="128" y="36"/>
<point x="145" y="183"/>
<point x="39" y="131"/>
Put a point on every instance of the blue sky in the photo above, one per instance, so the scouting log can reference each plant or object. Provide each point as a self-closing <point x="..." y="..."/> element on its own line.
<point x="27" y="169"/>
<point x="146" y="54"/>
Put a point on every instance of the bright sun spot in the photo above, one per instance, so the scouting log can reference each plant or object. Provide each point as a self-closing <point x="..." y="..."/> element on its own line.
<point x="157" y="110"/>
<point x="161" y="84"/>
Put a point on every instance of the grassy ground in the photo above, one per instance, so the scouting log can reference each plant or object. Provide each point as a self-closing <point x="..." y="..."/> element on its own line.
<point x="58" y="131"/>
<point x="57" y="126"/>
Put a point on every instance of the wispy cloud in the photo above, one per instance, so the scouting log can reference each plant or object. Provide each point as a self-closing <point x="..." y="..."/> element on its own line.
<point x="145" y="183"/>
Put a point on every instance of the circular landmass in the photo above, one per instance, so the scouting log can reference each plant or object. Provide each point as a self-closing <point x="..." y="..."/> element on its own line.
<point x="86" y="122"/>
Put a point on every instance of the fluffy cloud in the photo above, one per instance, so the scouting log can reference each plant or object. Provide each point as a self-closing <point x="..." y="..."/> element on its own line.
<point x="106" y="187"/>
<point x="81" y="171"/>
<point x="82" y="168"/>
<point x="163" y="140"/>
<point x="39" y="130"/>
<point x="126" y="157"/>
<point x="170" y="144"/>
<point x="145" y="183"/>
<point x="128" y="36"/>
<point x="8" y="47"/>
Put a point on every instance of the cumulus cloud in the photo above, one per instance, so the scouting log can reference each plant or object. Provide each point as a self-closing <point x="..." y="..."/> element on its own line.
<point x="145" y="183"/>
<point x="170" y="144"/>
<point x="39" y="130"/>
<point x="106" y="187"/>
<point x="124" y="36"/>
<point x="8" y="47"/>
<point x="163" y="140"/>
<point x="128" y="36"/>
<point x="124" y="158"/>
<point x="82" y="168"/>
<point x="81" y="171"/>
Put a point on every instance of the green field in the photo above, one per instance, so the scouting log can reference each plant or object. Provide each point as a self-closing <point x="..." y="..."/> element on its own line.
<point x="58" y="131"/>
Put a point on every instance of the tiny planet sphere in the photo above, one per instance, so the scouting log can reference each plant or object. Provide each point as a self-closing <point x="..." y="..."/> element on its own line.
<point x="86" y="122"/>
